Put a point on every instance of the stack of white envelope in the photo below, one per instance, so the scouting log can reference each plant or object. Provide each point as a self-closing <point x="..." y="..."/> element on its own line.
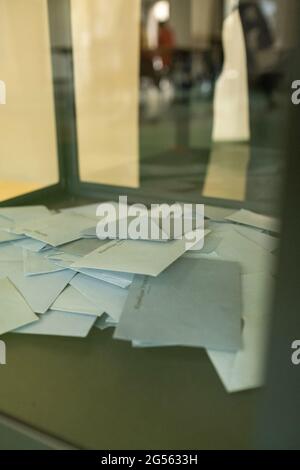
<point x="58" y="278"/>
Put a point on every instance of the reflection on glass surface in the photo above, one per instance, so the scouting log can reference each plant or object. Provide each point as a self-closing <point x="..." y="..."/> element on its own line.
<point x="28" y="157"/>
<point x="177" y="152"/>
<point x="106" y="48"/>
<point x="226" y="175"/>
<point x="181" y="60"/>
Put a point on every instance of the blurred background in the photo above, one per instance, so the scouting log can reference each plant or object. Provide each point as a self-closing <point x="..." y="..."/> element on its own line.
<point x="138" y="79"/>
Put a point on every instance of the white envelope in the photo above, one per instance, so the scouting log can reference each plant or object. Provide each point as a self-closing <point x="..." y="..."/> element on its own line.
<point x="264" y="240"/>
<point x="160" y="228"/>
<point x="193" y="303"/>
<point x="10" y="267"/>
<point x="245" y="369"/>
<point x="41" y="291"/>
<point x="253" y="219"/>
<point x="9" y="252"/>
<point x="217" y="213"/>
<point x="14" y="310"/>
<point x="221" y="227"/>
<point x="81" y="247"/>
<point x="23" y="213"/>
<point x="6" y="224"/>
<point x="90" y="210"/>
<point x="59" y="258"/>
<point x="122" y="280"/>
<point x="30" y="244"/>
<point x="37" y="263"/>
<point x="9" y="237"/>
<point x="56" y="229"/>
<point x="137" y="257"/>
<point x="67" y="260"/>
<point x="253" y="258"/>
<point x="55" y="323"/>
<point x="72" y="301"/>
<point x="211" y="243"/>
<point x="108" y="298"/>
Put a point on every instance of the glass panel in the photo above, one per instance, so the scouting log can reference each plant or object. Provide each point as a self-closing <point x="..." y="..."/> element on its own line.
<point x="28" y="155"/>
<point x="211" y="107"/>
